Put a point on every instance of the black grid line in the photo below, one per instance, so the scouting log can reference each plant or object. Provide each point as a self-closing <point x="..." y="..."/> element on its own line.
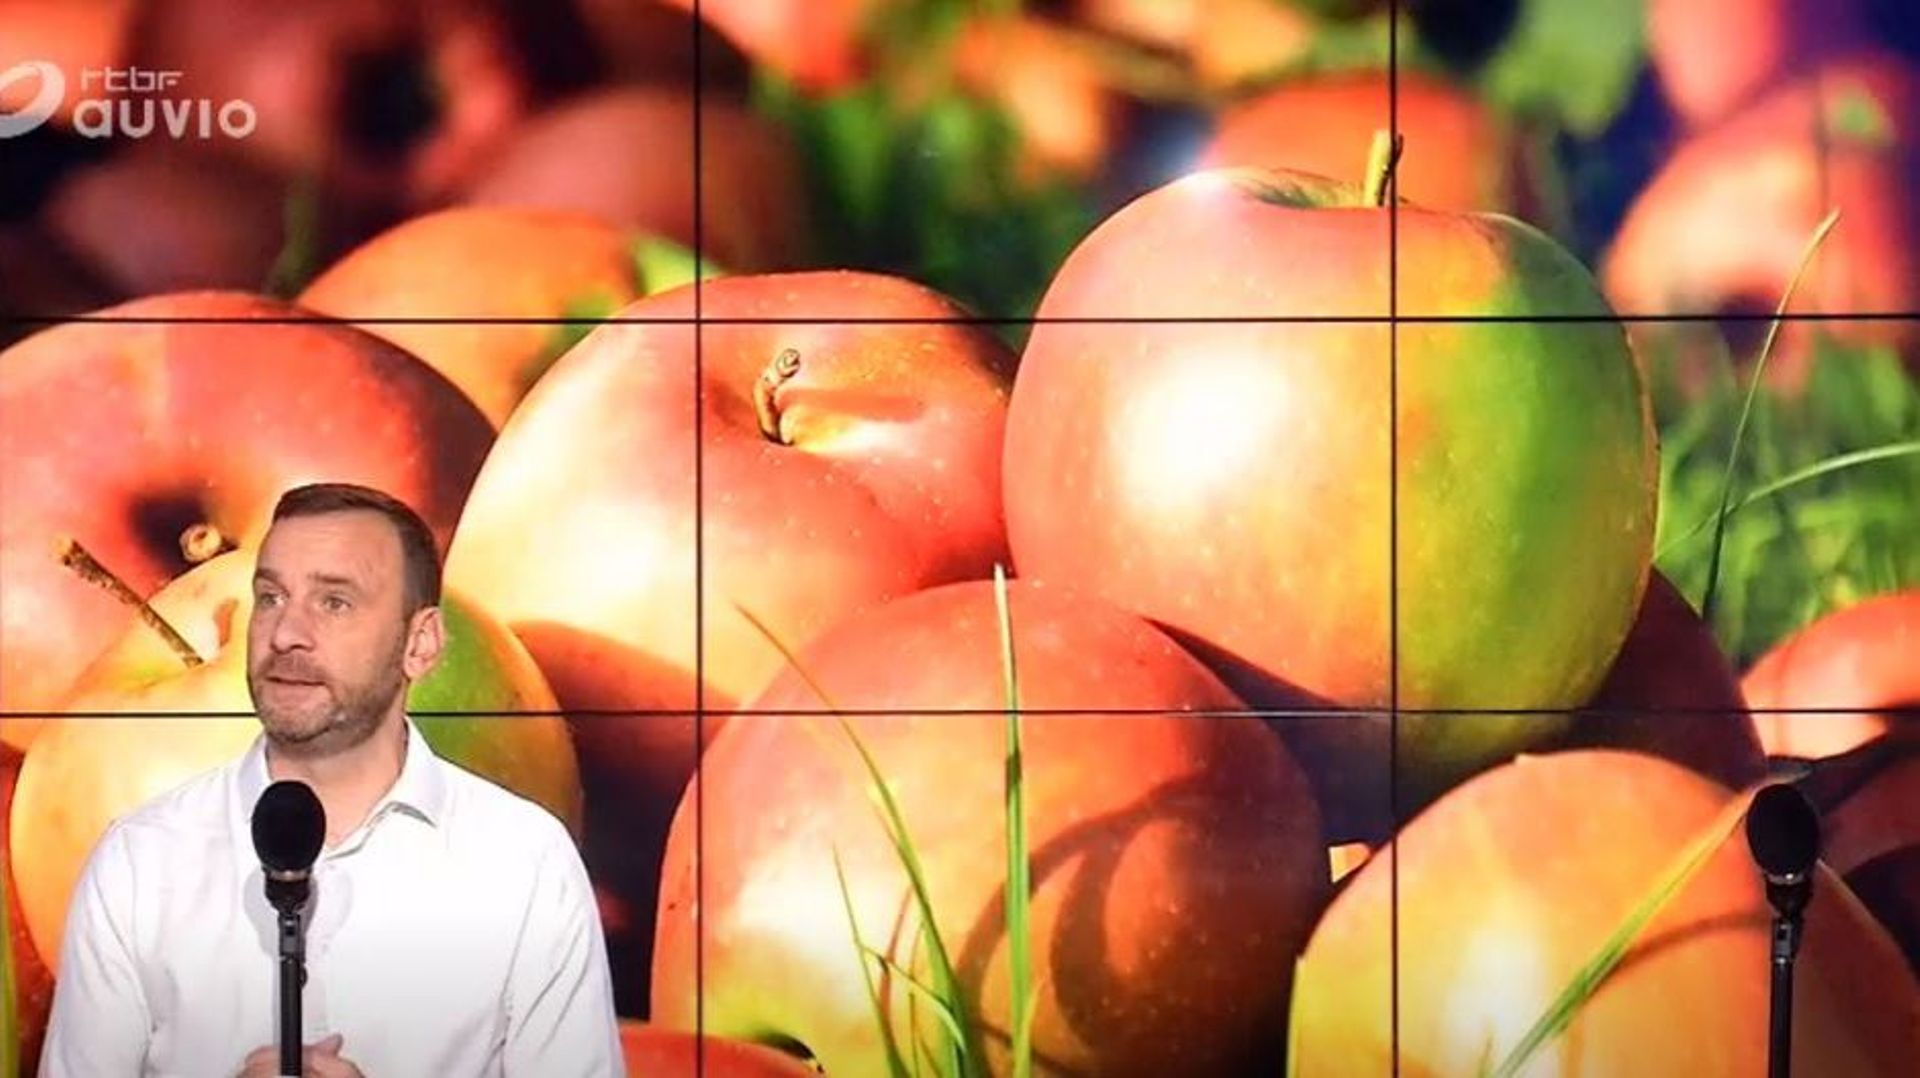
<point x="1392" y="193"/>
<point x="699" y="572"/>
<point x="1894" y="713"/>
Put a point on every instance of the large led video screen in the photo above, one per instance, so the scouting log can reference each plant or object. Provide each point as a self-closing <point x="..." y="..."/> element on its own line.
<point x="1198" y="538"/>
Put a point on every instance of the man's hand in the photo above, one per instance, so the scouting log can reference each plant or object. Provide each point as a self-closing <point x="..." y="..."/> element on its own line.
<point x="321" y="1059"/>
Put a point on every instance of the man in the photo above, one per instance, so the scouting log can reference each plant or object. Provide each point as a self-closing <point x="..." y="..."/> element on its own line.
<point x="451" y="929"/>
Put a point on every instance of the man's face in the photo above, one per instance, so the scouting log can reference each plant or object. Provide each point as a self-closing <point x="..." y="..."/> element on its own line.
<point x="327" y="641"/>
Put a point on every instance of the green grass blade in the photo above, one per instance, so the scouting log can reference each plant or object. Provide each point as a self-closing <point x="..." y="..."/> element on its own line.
<point x="9" y="991"/>
<point x="1746" y="411"/>
<point x="923" y="991"/>
<point x="1293" y="1021"/>
<point x="1819" y="469"/>
<point x="1019" y="882"/>
<point x="895" y="1065"/>
<point x="1587" y="980"/>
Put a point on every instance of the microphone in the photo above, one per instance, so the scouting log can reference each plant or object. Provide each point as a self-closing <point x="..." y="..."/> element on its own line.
<point x="1783" y="834"/>
<point x="289" y="827"/>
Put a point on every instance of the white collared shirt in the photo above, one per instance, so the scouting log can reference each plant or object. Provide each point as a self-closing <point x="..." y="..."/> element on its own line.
<point x="453" y="934"/>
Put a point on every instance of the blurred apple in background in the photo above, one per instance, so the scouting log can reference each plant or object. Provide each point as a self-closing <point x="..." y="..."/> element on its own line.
<point x="140" y="721"/>
<point x="1241" y="42"/>
<point x="653" y="1052"/>
<point x="387" y="98"/>
<point x="1713" y="56"/>
<point x="1055" y="91"/>
<point x="820" y="45"/>
<point x="130" y="433"/>
<point x="1505" y="888"/>
<point x="1674" y="693"/>
<point x="1848" y="670"/>
<point x="1462" y="155"/>
<point x="167" y="216"/>
<point x="1177" y="856"/>
<point x="652" y="41"/>
<point x="508" y="268"/>
<point x="1723" y="226"/>
<point x="73" y="35"/>
<point x="640" y="141"/>
<point x="42" y="281"/>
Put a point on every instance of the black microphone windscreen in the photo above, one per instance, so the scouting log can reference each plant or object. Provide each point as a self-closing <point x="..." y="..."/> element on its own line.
<point x="1783" y="831"/>
<point x="289" y="826"/>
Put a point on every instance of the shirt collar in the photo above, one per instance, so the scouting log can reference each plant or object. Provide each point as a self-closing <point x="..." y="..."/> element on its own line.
<point x="421" y="788"/>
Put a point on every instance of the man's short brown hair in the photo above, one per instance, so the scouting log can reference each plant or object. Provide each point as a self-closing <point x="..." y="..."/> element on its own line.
<point x="419" y="553"/>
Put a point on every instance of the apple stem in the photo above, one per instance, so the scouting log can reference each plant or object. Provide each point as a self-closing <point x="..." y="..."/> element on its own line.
<point x="1383" y="156"/>
<point x="784" y="367"/>
<point x="201" y="542"/>
<point x="76" y="557"/>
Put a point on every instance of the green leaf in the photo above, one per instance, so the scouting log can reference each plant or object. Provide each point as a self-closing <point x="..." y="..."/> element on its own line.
<point x="1855" y="115"/>
<point x="1573" y="61"/>
<point x="1819" y="469"/>
<point x="298" y="258"/>
<point x="1587" y="980"/>
<point x="661" y="264"/>
<point x="9" y="991"/>
<point x="1019" y="882"/>
<point x="942" y="1009"/>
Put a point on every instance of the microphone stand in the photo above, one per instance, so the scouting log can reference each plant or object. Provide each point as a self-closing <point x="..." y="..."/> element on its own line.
<point x="289" y="896"/>
<point x="1788" y="896"/>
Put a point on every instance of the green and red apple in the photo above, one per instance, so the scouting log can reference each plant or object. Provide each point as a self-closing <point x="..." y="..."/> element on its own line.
<point x="1177" y="858"/>
<point x="653" y="1051"/>
<point x="479" y="292"/>
<point x="140" y="720"/>
<point x="1445" y="949"/>
<point x="184" y="417"/>
<point x="1454" y="514"/>
<point x="1835" y="684"/>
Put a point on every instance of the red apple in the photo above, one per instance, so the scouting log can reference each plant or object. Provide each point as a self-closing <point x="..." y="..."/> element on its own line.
<point x="1164" y="24"/>
<point x="1487" y="905"/>
<point x="1877" y="818"/>
<point x="75" y="36"/>
<point x="1240" y="42"/>
<point x="139" y="721"/>
<point x="1828" y="688"/>
<point x="32" y="980"/>
<point x="653" y="41"/>
<point x="1673" y="692"/>
<point x="1890" y="887"/>
<point x="509" y="270"/>
<point x="389" y="98"/>
<point x="821" y="45"/>
<point x="670" y="1053"/>
<point x="1054" y="90"/>
<point x="128" y="431"/>
<point x="1712" y="56"/>
<point x="163" y="216"/>
<point x="1177" y="857"/>
<point x="1723" y="226"/>
<point x="751" y="209"/>
<point x="1461" y="155"/>
<point x="1229" y="472"/>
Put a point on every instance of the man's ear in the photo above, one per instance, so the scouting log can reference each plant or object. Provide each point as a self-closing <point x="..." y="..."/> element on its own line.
<point x="426" y="640"/>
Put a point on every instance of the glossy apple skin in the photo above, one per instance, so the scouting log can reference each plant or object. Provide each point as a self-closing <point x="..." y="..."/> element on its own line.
<point x="1177" y="857"/>
<point x="1515" y="879"/>
<point x="1723" y="225"/>
<point x="654" y="1052"/>
<point x="751" y="210"/>
<point x="1713" y="56"/>
<point x="124" y="431"/>
<point x="1234" y="481"/>
<point x="1844" y="673"/>
<point x="511" y="265"/>
<point x="1460" y="155"/>
<point x="139" y="723"/>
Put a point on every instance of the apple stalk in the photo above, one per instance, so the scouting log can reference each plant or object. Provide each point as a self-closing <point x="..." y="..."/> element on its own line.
<point x="765" y="409"/>
<point x="82" y="562"/>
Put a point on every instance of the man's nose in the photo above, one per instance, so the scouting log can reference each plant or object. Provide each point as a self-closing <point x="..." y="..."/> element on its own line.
<point x="290" y="629"/>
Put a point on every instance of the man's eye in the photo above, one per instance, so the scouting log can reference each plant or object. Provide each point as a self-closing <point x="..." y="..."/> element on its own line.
<point x="335" y="603"/>
<point x="266" y="598"/>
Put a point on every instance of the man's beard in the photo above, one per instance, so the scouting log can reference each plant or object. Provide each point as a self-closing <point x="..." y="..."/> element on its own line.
<point x="349" y="715"/>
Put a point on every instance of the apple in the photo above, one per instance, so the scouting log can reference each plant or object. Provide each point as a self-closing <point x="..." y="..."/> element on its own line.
<point x="1712" y="56"/>
<point x="75" y="36"/>
<point x="1228" y="472"/>
<point x="395" y="99"/>
<point x="670" y="1053"/>
<point x="1449" y="945"/>
<point x="1176" y="851"/>
<point x="43" y="281"/>
<point x="1722" y="227"/>
<point x="1830" y="687"/>
<point x="1052" y="87"/>
<point x="165" y="216"/>
<point x="507" y="267"/>
<point x="1674" y="693"/>
<point x="819" y="45"/>
<point x="32" y="981"/>
<point x="159" y="417"/>
<point x="653" y="41"/>
<point x="1236" y="43"/>
<point x="752" y="213"/>
<point x="1462" y="155"/>
<point x="1890" y="887"/>
<point x="140" y="721"/>
<point x="1163" y="24"/>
